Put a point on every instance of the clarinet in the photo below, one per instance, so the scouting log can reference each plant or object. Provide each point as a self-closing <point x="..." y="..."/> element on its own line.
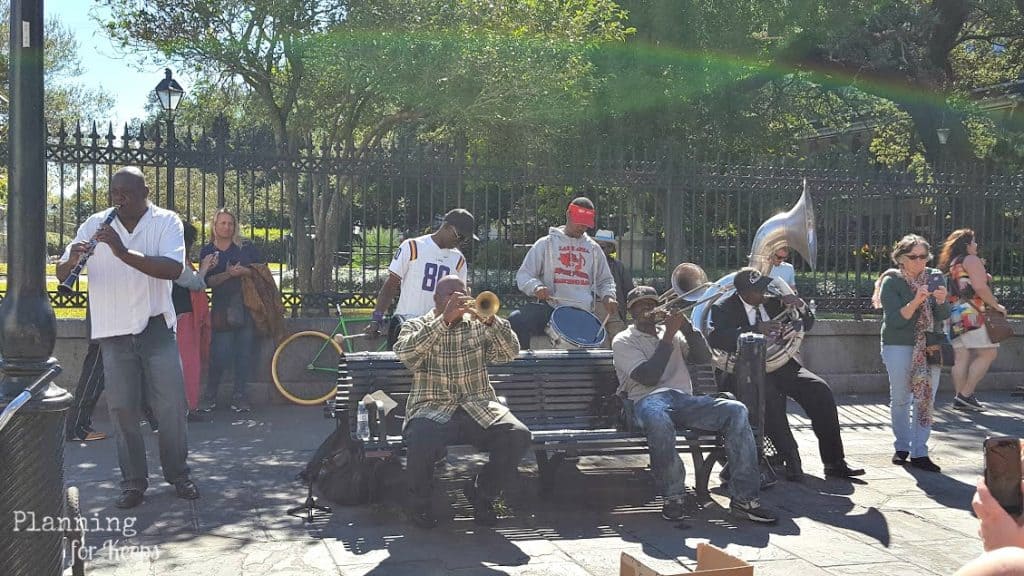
<point x="66" y="287"/>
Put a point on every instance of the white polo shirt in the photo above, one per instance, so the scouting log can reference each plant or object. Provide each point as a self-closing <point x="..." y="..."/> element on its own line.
<point x="121" y="298"/>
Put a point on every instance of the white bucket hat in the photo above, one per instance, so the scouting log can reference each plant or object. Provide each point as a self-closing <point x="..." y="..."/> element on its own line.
<point x="606" y="236"/>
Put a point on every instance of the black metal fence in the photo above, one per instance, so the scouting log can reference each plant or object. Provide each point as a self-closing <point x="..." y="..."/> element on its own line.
<point x="664" y="209"/>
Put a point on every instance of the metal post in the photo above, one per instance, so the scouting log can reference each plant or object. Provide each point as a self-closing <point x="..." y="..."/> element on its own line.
<point x="171" y="144"/>
<point x="673" y="221"/>
<point x="220" y="137"/>
<point x="31" y="445"/>
<point x="750" y="378"/>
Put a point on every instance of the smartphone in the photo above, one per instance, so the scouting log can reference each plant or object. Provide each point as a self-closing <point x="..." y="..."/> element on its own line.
<point x="1003" y="472"/>
<point x="935" y="280"/>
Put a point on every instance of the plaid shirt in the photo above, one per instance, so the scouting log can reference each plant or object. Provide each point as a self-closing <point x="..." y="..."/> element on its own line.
<point x="449" y="366"/>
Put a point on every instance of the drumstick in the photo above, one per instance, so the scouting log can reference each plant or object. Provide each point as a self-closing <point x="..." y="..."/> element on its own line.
<point x="605" y="321"/>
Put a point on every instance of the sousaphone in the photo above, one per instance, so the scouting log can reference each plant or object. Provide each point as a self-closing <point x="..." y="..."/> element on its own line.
<point x="794" y="230"/>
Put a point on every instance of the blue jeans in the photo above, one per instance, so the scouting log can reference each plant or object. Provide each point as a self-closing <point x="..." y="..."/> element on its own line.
<point x="910" y="435"/>
<point x="660" y="413"/>
<point x="231" y="348"/>
<point x="146" y="363"/>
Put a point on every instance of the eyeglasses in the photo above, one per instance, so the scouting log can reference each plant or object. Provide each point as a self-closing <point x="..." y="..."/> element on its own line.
<point x="917" y="256"/>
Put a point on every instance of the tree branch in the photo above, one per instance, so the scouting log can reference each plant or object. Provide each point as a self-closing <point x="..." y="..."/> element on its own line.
<point x="382" y="128"/>
<point x="990" y="37"/>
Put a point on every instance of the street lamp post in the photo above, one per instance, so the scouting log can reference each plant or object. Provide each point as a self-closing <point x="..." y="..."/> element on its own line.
<point x="169" y="92"/>
<point x="31" y="409"/>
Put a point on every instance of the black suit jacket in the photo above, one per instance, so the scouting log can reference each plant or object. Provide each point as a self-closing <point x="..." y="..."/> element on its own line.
<point x="729" y="320"/>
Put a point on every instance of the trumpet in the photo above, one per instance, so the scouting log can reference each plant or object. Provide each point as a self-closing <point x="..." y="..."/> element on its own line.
<point x="485" y="305"/>
<point x="67" y="286"/>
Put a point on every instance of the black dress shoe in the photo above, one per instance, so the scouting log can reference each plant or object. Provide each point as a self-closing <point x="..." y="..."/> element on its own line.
<point x="925" y="463"/>
<point x="187" y="489"/>
<point x="900" y="457"/>
<point x="129" y="499"/>
<point x="842" y="469"/>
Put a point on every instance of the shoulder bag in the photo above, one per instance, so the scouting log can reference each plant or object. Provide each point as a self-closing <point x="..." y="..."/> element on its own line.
<point x="998" y="327"/>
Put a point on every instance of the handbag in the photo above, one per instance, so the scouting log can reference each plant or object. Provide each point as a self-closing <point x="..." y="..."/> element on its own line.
<point x="938" y="349"/>
<point x="230" y="316"/>
<point x="998" y="327"/>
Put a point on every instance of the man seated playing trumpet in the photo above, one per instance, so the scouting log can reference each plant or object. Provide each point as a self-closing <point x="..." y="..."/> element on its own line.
<point x="650" y="360"/>
<point x="452" y="401"/>
<point x="748" y="310"/>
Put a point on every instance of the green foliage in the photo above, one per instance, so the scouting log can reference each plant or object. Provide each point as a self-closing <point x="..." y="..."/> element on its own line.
<point x="494" y="254"/>
<point x="65" y="97"/>
<point x="378" y="247"/>
<point x="659" y="264"/>
<point x="355" y="73"/>
<point x="261" y="233"/>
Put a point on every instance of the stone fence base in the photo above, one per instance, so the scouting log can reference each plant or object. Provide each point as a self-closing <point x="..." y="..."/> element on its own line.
<point x="844" y="352"/>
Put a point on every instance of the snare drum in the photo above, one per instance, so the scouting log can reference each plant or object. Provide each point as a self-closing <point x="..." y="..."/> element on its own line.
<point x="571" y="328"/>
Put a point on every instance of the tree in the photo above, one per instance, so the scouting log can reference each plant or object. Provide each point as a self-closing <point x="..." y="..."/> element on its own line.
<point x="65" y="97"/>
<point x="352" y="72"/>
<point x="758" y="77"/>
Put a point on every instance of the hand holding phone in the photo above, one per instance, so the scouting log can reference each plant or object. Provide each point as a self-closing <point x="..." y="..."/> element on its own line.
<point x="1003" y="472"/>
<point x="996" y="528"/>
<point x="935" y="280"/>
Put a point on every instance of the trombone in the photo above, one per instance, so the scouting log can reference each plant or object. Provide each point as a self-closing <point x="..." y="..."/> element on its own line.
<point x="690" y="287"/>
<point x="672" y="300"/>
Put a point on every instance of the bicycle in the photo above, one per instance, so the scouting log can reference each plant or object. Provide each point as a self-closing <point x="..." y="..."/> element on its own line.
<point x="305" y="364"/>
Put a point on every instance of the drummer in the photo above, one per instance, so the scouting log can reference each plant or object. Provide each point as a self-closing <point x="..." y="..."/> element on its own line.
<point x="565" y="268"/>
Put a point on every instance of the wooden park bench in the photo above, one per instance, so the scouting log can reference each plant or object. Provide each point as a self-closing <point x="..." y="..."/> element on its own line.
<point x="567" y="398"/>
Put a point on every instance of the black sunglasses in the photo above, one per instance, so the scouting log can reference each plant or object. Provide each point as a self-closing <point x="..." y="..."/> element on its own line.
<point x="917" y="256"/>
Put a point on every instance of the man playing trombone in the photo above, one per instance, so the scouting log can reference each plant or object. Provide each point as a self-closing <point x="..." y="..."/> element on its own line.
<point x="747" y="310"/>
<point x="452" y="401"/>
<point x="566" y="267"/>
<point x="650" y="360"/>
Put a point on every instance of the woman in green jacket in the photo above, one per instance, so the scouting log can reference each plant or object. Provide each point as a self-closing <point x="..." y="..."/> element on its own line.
<point x="909" y="311"/>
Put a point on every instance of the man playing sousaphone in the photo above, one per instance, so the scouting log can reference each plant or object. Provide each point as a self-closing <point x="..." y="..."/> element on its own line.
<point x="748" y="310"/>
<point x="565" y="268"/>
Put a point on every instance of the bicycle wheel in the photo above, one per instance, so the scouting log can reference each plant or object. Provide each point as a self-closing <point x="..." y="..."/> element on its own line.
<point x="305" y="367"/>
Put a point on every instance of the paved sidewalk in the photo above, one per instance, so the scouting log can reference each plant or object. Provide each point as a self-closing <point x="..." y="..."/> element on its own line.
<point x="896" y="521"/>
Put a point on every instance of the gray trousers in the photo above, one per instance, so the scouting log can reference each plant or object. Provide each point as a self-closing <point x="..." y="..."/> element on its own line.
<point x="149" y="360"/>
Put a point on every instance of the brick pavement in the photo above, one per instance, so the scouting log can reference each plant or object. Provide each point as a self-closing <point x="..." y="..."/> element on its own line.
<point x="896" y="521"/>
